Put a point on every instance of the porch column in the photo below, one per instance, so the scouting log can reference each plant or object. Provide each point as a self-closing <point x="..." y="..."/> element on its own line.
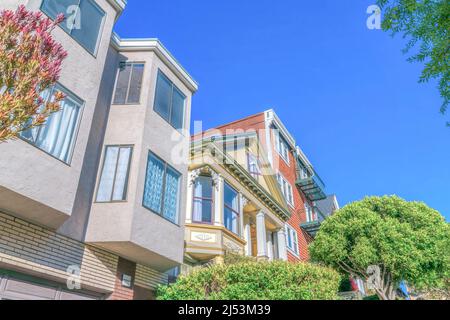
<point x="218" y="199"/>
<point x="190" y="193"/>
<point x="242" y="203"/>
<point x="270" y="253"/>
<point x="281" y="239"/>
<point x="248" y="238"/>
<point x="261" y="236"/>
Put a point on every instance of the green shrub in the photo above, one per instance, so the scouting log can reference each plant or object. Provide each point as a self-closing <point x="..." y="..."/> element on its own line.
<point x="255" y="281"/>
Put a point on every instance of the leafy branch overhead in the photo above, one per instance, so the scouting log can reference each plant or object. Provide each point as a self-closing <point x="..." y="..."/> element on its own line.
<point x="426" y="26"/>
<point x="30" y="63"/>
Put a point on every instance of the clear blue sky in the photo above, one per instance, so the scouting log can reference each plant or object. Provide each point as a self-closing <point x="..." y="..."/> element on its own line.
<point x="345" y="92"/>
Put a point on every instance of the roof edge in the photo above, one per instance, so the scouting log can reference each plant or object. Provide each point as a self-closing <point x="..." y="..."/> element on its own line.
<point x="154" y="45"/>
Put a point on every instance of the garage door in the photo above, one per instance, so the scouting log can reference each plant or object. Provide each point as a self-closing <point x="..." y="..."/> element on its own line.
<point x="14" y="286"/>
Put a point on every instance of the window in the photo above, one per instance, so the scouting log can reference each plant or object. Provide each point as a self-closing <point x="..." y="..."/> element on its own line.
<point x="129" y="83"/>
<point x="286" y="189"/>
<point x="292" y="240"/>
<point x="84" y="20"/>
<point x="57" y="136"/>
<point x="114" y="178"/>
<point x="231" y="209"/>
<point x="309" y="213"/>
<point x="253" y="166"/>
<point x="302" y="171"/>
<point x="203" y="200"/>
<point x="282" y="146"/>
<point x="162" y="189"/>
<point x="169" y="102"/>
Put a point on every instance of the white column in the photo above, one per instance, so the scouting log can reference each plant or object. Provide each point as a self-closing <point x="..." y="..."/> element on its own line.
<point x="242" y="203"/>
<point x="270" y="253"/>
<point x="190" y="194"/>
<point x="248" y="238"/>
<point x="218" y="199"/>
<point x="261" y="237"/>
<point x="281" y="239"/>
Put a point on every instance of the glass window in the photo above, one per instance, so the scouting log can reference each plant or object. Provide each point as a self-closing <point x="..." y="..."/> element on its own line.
<point x="282" y="146"/>
<point x="253" y="166"/>
<point x="162" y="189"/>
<point x="286" y="189"/>
<point x="169" y="102"/>
<point x="129" y="83"/>
<point x="57" y="135"/>
<point x="203" y="200"/>
<point x="114" y="177"/>
<point x="84" y="19"/>
<point x="310" y="217"/>
<point x="292" y="240"/>
<point x="231" y="209"/>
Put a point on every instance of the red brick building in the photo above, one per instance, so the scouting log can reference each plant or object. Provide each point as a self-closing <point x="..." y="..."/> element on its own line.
<point x="297" y="179"/>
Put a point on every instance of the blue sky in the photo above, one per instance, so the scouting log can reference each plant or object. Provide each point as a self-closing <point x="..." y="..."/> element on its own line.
<point x="345" y="92"/>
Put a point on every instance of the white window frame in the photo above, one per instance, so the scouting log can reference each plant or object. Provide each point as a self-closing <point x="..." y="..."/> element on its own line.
<point x="309" y="217"/>
<point x="286" y="189"/>
<point x="280" y="141"/>
<point x="291" y="232"/>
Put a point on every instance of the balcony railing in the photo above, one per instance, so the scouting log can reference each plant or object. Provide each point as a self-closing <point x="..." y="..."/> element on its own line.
<point x="313" y="227"/>
<point x="313" y="187"/>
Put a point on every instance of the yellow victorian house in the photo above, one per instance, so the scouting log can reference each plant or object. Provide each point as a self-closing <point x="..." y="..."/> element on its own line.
<point x="234" y="202"/>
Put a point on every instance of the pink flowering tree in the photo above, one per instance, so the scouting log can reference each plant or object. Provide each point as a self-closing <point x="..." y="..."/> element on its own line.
<point x="30" y="63"/>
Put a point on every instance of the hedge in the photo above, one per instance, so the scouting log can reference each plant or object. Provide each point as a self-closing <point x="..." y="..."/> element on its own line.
<point x="255" y="281"/>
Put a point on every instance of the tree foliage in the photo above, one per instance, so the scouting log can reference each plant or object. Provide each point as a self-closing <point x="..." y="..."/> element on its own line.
<point x="405" y="240"/>
<point x="426" y="26"/>
<point x="255" y="281"/>
<point x="30" y="63"/>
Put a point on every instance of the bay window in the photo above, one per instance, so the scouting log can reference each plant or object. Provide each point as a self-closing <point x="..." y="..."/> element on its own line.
<point x="203" y="200"/>
<point x="231" y="209"/>
<point x="58" y="134"/>
<point x="162" y="189"/>
<point x="169" y="102"/>
<point x="114" y="177"/>
<point x="129" y="83"/>
<point x="84" y="20"/>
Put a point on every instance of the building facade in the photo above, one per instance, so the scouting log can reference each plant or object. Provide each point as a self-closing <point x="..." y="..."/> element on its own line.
<point x="296" y="178"/>
<point x="232" y="208"/>
<point x="92" y="204"/>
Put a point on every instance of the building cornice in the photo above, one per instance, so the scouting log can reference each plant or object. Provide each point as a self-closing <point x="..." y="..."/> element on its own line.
<point x="154" y="45"/>
<point x="246" y="179"/>
<point x="273" y="118"/>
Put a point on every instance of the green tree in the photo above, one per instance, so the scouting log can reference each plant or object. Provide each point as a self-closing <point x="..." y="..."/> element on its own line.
<point x="426" y="26"/>
<point x="404" y="241"/>
<point x="30" y="63"/>
<point x="255" y="281"/>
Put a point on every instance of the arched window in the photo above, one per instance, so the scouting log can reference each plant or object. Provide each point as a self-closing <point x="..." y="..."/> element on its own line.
<point x="203" y="200"/>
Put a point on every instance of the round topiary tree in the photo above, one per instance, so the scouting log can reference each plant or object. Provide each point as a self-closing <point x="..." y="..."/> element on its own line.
<point x="255" y="281"/>
<point x="386" y="240"/>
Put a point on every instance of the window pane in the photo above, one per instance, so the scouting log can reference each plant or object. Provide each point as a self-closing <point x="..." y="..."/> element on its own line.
<point x="122" y="84"/>
<point x="57" y="135"/>
<point x="171" y="195"/>
<point x="154" y="184"/>
<point x="67" y="7"/>
<point x="107" y="178"/>
<point x="231" y="220"/>
<point x="87" y="32"/>
<point x="163" y="96"/>
<point x="134" y="94"/>
<point x="121" y="181"/>
<point x="231" y="198"/>
<point x="202" y="207"/>
<point x="177" y="109"/>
